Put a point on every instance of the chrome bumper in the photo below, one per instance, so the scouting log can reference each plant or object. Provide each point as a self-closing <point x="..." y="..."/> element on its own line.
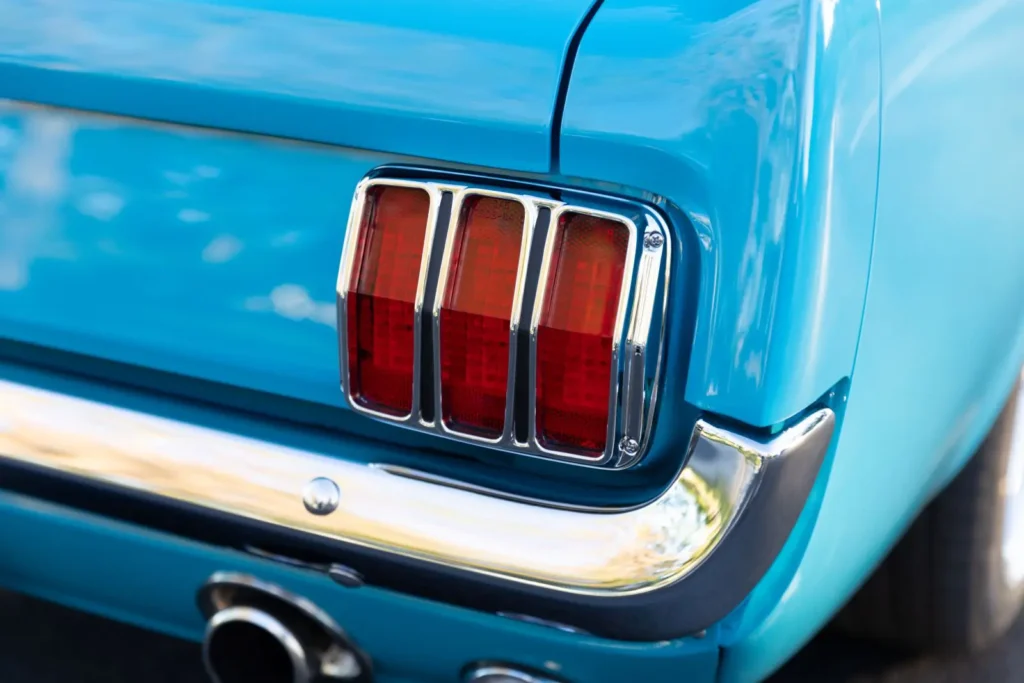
<point x="588" y="551"/>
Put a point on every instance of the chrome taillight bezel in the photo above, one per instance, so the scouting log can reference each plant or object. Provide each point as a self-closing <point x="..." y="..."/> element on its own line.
<point x="637" y="345"/>
<point x="350" y="252"/>
<point x="620" y="321"/>
<point x="530" y="212"/>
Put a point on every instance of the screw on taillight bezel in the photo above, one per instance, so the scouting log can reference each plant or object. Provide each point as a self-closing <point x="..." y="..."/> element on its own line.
<point x="637" y="340"/>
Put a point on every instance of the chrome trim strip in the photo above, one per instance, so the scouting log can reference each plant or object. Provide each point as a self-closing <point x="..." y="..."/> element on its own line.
<point x="620" y="320"/>
<point x="345" y="271"/>
<point x="605" y="553"/>
<point x="635" y="405"/>
<point x="420" y="475"/>
<point x="530" y="210"/>
<point x="503" y="673"/>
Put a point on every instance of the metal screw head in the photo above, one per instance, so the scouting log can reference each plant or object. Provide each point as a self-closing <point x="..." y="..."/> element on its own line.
<point x="321" y="496"/>
<point x="653" y="240"/>
<point x="629" y="446"/>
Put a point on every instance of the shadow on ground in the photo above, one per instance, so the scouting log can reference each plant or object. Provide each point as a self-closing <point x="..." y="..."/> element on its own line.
<point x="43" y="643"/>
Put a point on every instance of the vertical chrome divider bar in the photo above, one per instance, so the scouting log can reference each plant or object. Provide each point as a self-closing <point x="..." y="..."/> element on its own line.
<point x="522" y="398"/>
<point x="538" y="311"/>
<point x="530" y="218"/>
<point x="637" y="343"/>
<point x="428" y="373"/>
<point x="655" y="222"/>
<point x="454" y="218"/>
<point x="421" y="286"/>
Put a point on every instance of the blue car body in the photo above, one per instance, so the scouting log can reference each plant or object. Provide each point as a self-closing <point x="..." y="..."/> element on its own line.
<point x="839" y="178"/>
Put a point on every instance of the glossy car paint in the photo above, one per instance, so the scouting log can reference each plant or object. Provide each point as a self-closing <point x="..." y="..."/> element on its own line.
<point x="738" y="114"/>
<point x="254" y="227"/>
<point x="943" y="333"/>
<point x="184" y="250"/>
<point x="755" y="123"/>
<point x="151" y="579"/>
<point x="452" y="80"/>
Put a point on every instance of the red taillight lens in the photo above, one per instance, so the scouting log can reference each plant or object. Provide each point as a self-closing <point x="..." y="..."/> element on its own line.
<point x="382" y="297"/>
<point x="476" y="312"/>
<point x="574" y="335"/>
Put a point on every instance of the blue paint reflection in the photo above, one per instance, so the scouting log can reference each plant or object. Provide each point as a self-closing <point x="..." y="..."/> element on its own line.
<point x="719" y="108"/>
<point x="187" y="251"/>
<point x="455" y="80"/>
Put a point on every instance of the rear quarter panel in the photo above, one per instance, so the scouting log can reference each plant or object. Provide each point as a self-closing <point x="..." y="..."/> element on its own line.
<point x="943" y="332"/>
<point x="772" y="126"/>
<point x="737" y="115"/>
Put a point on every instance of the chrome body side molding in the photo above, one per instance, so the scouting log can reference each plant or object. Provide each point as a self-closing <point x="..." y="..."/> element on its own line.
<point x="597" y="552"/>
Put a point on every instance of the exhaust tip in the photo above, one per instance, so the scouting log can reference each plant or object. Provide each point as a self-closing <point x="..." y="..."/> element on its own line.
<point x="260" y="633"/>
<point x="245" y="645"/>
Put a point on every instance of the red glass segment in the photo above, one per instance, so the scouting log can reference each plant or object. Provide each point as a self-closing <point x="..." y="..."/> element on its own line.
<point x="476" y="314"/>
<point x="382" y="297"/>
<point x="574" y="337"/>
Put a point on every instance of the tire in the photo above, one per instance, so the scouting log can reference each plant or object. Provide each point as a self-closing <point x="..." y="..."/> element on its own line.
<point x="949" y="586"/>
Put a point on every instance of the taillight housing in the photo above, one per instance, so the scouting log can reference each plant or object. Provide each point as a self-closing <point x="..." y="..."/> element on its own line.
<point x="537" y="329"/>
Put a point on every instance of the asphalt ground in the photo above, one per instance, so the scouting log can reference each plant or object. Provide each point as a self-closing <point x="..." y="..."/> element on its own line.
<point x="44" y="643"/>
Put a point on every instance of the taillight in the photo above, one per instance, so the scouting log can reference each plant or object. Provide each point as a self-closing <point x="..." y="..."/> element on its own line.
<point x="579" y="322"/>
<point x="382" y="293"/>
<point x="578" y="384"/>
<point x="480" y="278"/>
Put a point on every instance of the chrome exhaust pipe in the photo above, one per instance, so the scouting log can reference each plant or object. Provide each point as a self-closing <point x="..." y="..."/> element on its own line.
<point x="245" y="644"/>
<point x="259" y="633"/>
